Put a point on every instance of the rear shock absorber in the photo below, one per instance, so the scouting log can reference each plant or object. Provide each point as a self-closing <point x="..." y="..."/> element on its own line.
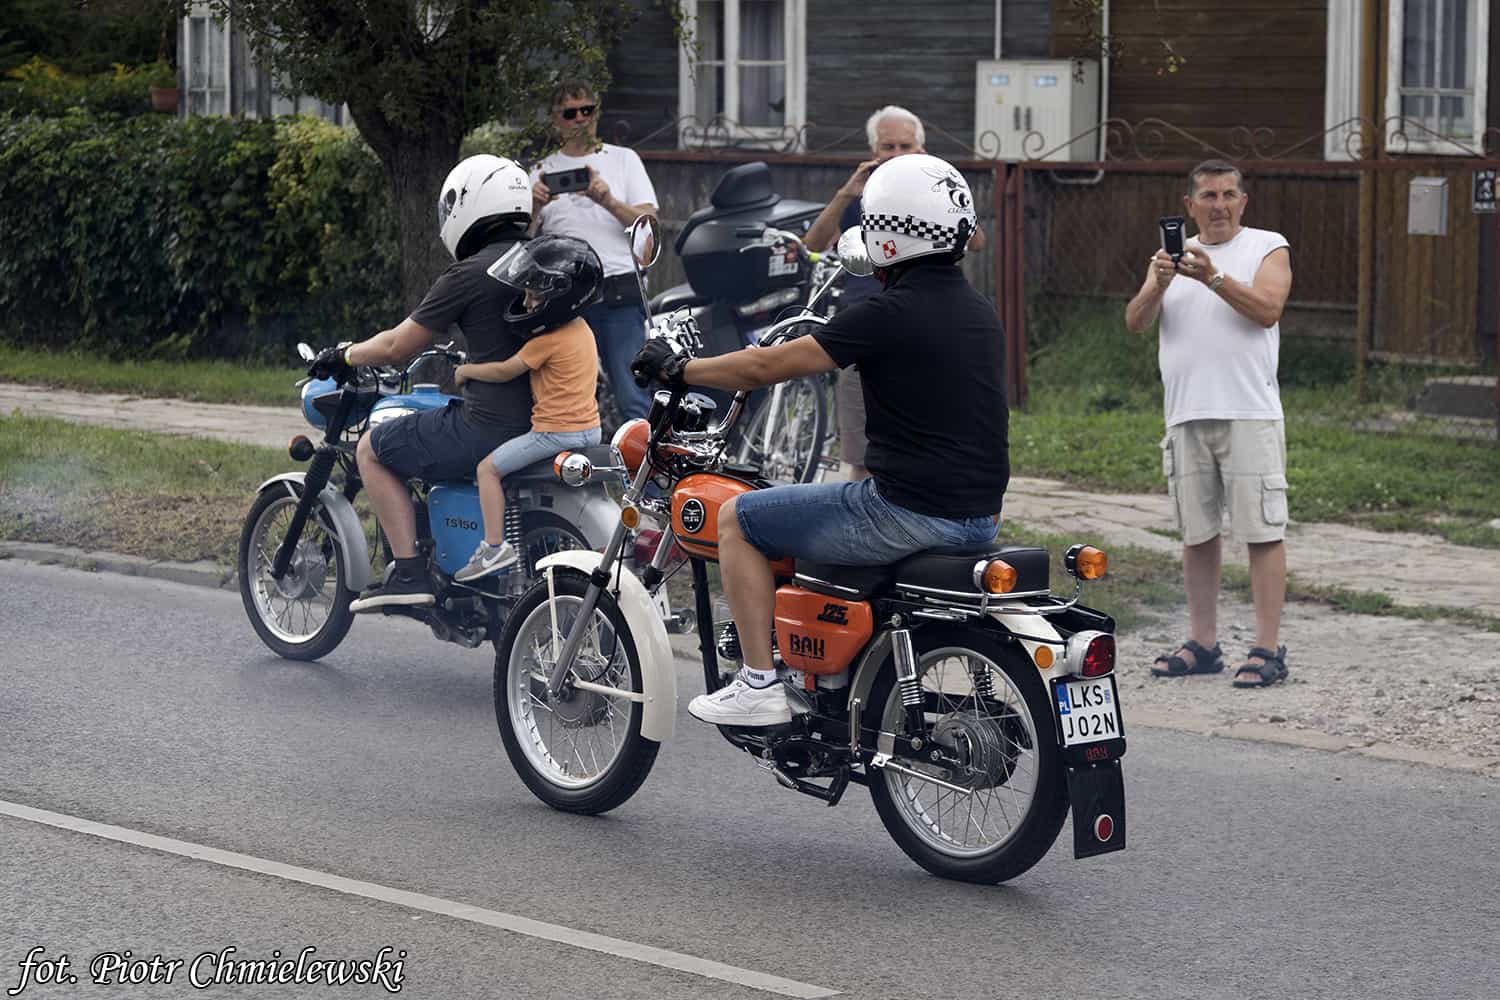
<point x="984" y="681"/>
<point x="513" y="524"/>
<point x="911" y="687"/>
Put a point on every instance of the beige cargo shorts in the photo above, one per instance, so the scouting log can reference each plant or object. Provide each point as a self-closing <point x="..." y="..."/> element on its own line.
<point x="1238" y="464"/>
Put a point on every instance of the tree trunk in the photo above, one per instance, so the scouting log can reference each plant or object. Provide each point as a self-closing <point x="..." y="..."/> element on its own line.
<point x="417" y="167"/>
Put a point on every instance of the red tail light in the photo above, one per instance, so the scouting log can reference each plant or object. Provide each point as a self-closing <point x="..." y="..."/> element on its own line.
<point x="1099" y="657"/>
<point x="1089" y="653"/>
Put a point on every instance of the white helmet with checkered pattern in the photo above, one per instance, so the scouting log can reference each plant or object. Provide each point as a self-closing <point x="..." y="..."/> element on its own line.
<point x="915" y="206"/>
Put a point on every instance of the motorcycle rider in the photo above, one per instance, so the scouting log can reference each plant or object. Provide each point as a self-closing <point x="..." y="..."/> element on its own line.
<point x="939" y="461"/>
<point x="484" y="208"/>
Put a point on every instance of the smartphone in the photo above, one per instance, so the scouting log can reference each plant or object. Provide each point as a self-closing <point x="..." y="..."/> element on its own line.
<point x="564" y="181"/>
<point x="1171" y="235"/>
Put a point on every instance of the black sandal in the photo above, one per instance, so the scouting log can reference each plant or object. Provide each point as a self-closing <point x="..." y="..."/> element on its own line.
<point x="1205" y="661"/>
<point x="1259" y="675"/>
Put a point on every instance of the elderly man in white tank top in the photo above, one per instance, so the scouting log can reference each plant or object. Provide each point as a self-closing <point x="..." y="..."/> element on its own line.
<point x="1220" y="308"/>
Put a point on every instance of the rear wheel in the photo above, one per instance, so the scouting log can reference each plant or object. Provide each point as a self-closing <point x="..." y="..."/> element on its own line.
<point x="582" y="752"/>
<point x="988" y="707"/>
<point x="305" y="614"/>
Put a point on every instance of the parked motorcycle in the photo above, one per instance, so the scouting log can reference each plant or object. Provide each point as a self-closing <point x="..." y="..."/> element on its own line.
<point x="976" y="706"/>
<point x="304" y="553"/>
<point x="745" y="265"/>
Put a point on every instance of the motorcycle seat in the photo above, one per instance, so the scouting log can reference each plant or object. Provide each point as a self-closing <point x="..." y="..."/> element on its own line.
<point x="950" y="574"/>
<point x="542" y="471"/>
<point x="677" y="297"/>
<point x="935" y="572"/>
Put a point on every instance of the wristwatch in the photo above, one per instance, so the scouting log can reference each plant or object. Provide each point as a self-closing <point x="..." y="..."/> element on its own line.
<point x="1215" y="282"/>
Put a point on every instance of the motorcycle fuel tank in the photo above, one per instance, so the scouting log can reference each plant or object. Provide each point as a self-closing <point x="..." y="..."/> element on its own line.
<point x="695" y="514"/>
<point x="422" y="397"/>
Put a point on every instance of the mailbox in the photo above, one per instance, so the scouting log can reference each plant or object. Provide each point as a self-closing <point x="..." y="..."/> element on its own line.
<point x="1427" y="207"/>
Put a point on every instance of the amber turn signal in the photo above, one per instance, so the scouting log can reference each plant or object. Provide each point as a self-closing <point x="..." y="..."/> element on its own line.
<point x="995" y="576"/>
<point x="630" y="517"/>
<point x="1084" y="562"/>
<point x="557" y="463"/>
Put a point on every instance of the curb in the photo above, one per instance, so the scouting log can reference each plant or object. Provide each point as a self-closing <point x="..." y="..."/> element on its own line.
<point x="211" y="575"/>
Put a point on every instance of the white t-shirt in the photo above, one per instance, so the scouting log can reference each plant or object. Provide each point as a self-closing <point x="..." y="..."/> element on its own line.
<point x="1215" y="363"/>
<point x="575" y="214"/>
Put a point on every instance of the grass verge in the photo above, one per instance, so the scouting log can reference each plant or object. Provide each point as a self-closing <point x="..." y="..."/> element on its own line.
<point x="201" y="381"/>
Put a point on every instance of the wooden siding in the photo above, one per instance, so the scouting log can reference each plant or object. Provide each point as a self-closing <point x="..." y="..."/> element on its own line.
<point x="862" y="56"/>
<point x="642" y="99"/>
<point x="1258" y="63"/>
<point x="1026" y="29"/>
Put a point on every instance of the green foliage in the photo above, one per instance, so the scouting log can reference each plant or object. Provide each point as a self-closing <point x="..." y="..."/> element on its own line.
<point x="41" y="88"/>
<point x="146" y="237"/>
<point x="87" y="37"/>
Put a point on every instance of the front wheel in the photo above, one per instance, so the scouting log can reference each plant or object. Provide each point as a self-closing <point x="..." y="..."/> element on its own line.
<point x="305" y="614"/>
<point x="582" y="752"/>
<point x="987" y="706"/>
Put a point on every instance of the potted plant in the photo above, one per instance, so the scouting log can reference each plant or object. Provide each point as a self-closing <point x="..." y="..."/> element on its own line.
<point x="163" y="88"/>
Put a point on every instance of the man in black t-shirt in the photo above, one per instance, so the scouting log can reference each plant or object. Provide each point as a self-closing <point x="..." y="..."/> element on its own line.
<point x="484" y="209"/>
<point x="932" y="354"/>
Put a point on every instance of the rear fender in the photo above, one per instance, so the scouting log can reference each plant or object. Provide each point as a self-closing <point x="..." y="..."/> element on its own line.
<point x="338" y="517"/>
<point x="658" y="673"/>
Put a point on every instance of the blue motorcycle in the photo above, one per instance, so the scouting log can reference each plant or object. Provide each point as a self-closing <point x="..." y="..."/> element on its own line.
<point x="305" y="554"/>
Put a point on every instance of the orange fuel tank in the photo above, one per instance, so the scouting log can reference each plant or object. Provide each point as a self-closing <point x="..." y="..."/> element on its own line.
<point x="695" y="514"/>
<point x="818" y="634"/>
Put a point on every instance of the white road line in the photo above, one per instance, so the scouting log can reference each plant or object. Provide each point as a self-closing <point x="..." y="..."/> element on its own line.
<point x="428" y="904"/>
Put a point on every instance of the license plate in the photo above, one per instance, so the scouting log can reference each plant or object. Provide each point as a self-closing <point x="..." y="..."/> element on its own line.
<point x="1088" y="711"/>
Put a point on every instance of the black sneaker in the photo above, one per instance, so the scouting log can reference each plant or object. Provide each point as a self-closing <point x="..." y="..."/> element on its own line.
<point x="408" y="590"/>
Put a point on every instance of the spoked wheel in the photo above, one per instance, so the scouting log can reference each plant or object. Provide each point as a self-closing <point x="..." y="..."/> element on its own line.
<point x="582" y="752"/>
<point x="305" y="614"/>
<point x="989" y="709"/>
<point x="785" y="439"/>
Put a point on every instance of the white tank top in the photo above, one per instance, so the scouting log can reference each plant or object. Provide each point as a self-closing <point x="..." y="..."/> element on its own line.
<point x="1215" y="363"/>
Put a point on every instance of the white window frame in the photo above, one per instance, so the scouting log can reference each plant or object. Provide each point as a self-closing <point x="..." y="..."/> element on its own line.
<point x="690" y="131"/>
<point x="1422" y="142"/>
<point x="1345" y="80"/>
<point x="202" y="11"/>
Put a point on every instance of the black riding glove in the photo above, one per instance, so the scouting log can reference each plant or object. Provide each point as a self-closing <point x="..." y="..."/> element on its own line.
<point x="658" y="362"/>
<point x="330" y="363"/>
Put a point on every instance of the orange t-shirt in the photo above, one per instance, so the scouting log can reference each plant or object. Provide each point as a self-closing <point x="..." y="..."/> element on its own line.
<point x="564" y="367"/>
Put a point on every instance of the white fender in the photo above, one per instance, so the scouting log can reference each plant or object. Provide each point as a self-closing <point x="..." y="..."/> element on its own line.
<point x="342" y="520"/>
<point x="658" y="673"/>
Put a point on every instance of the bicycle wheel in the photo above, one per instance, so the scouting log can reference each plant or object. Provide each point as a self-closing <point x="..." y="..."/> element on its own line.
<point x="785" y="437"/>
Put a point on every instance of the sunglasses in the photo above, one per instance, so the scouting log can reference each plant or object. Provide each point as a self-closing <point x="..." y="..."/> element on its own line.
<point x="586" y="111"/>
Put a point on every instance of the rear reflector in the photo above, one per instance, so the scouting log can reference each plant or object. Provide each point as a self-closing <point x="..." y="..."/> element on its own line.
<point x="1104" y="828"/>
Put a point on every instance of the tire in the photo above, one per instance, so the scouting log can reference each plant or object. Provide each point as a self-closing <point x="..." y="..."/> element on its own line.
<point x="530" y="738"/>
<point x="285" y="614"/>
<point x="796" y="440"/>
<point x="1020" y="713"/>
<point x="543" y="533"/>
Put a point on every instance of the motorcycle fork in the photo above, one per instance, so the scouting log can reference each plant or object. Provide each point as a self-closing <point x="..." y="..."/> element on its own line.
<point x="318" y="474"/>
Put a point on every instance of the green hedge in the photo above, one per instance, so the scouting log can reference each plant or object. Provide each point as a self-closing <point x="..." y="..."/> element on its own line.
<point x="149" y="237"/>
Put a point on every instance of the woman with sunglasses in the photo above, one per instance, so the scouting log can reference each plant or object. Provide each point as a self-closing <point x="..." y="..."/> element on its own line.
<point x="618" y="191"/>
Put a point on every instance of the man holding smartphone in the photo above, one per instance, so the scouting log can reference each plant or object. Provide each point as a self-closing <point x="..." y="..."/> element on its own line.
<point x="1220" y="299"/>
<point x="601" y="189"/>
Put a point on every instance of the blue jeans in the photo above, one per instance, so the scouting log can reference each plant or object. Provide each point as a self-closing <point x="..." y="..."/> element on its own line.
<point x="850" y="524"/>
<point x="533" y="446"/>
<point x="620" y="333"/>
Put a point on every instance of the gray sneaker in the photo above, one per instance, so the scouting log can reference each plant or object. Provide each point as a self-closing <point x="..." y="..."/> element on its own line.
<point x="487" y="559"/>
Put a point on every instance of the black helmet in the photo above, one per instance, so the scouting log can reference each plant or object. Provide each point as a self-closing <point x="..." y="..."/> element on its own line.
<point x="565" y="273"/>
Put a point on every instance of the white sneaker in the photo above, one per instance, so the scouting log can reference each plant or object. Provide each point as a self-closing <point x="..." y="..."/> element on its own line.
<point x="739" y="704"/>
<point x="487" y="559"/>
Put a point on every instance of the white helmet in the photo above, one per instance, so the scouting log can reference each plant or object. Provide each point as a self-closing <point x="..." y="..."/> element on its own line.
<point x="916" y="205"/>
<point x="481" y="190"/>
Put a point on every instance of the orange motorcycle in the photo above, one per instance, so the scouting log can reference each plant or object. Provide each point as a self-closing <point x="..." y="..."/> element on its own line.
<point x="976" y="706"/>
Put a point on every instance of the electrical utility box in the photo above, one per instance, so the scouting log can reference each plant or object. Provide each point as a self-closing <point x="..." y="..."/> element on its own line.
<point x="1056" y="99"/>
<point x="1427" y="207"/>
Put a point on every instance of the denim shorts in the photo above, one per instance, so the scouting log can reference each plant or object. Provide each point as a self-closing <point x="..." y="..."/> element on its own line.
<point x="850" y="524"/>
<point x="533" y="446"/>
<point x="435" y="445"/>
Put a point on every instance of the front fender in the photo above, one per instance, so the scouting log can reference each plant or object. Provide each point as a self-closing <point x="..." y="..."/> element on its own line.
<point x="339" y="517"/>
<point x="658" y="673"/>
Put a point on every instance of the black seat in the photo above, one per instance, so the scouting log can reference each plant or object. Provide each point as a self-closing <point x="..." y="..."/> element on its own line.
<point x="934" y="572"/>
<point x="949" y="573"/>
<point x="542" y="471"/>
<point x="677" y="297"/>
<point x="852" y="583"/>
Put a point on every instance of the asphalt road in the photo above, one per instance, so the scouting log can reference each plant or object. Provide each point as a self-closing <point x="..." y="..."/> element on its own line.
<point x="1253" y="871"/>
